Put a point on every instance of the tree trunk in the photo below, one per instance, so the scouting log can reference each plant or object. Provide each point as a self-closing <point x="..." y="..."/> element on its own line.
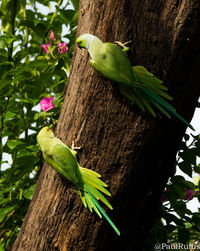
<point x="133" y="152"/>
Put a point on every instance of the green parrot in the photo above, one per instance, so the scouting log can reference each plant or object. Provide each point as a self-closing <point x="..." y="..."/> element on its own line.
<point x="85" y="182"/>
<point x="135" y="82"/>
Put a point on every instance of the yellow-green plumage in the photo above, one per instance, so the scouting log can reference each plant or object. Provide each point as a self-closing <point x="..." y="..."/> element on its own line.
<point x="136" y="83"/>
<point x="84" y="181"/>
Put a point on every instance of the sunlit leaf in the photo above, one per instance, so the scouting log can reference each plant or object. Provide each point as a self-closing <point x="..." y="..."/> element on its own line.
<point x="75" y="4"/>
<point x="4" y="212"/>
<point x="28" y="193"/>
<point x="14" y="143"/>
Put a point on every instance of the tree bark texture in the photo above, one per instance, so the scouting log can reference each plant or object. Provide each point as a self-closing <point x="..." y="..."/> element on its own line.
<point x="133" y="152"/>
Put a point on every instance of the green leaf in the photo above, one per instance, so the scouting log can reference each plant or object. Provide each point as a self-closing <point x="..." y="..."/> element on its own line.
<point x="4" y="82"/>
<point x="5" y="161"/>
<point x="67" y="15"/>
<point x="6" y="63"/>
<point x="9" y="115"/>
<point x="14" y="143"/>
<point x="1" y="13"/>
<point x="197" y="169"/>
<point x="4" y="201"/>
<point x="33" y="148"/>
<point x="180" y="208"/>
<point x="9" y="40"/>
<point x="186" y="137"/>
<point x="2" y="247"/>
<point x="177" y="179"/>
<point x="42" y="115"/>
<point x="75" y="4"/>
<point x="57" y="99"/>
<point x="189" y="155"/>
<point x="179" y="191"/>
<point x="172" y="218"/>
<point x="4" y="212"/>
<point x="27" y="23"/>
<point x="44" y="2"/>
<point x="2" y="43"/>
<point x="185" y="167"/>
<point x="28" y="193"/>
<point x="27" y="160"/>
<point x="183" y="235"/>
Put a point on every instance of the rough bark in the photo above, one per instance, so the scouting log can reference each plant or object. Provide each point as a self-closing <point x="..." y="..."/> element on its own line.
<point x="134" y="152"/>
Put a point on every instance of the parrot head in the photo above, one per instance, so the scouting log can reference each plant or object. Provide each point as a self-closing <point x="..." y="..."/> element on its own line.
<point x="45" y="132"/>
<point x="84" y="41"/>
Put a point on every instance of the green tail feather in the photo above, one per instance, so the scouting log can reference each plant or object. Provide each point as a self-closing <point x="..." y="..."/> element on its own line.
<point x="90" y="172"/>
<point x="89" y="202"/>
<point x="95" y="179"/>
<point x="104" y="214"/>
<point x="98" y="195"/>
<point x="131" y="95"/>
<point x="168" y="107"/>
<point x="148" y="106"/>
<point x="83" y="199"/>
<point x="160" y="108"/>
<point x="146" y="76"/>
<point x="90" y="193"/>
<point x="92" y="205"/>
<point x="151" y="82"/>
<point x="150" y="88"/>
<point x="93" y="183"/>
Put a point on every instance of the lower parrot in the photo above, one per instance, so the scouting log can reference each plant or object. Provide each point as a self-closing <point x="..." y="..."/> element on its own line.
<point x="135" y="82"/>
<point x="85" y="182"/>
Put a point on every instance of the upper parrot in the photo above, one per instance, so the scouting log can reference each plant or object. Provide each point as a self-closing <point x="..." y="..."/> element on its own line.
<point x="135" y="82"/>
<point x="85" y="182"/>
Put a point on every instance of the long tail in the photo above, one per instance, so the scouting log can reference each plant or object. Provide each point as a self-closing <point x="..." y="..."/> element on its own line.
<point x="93" y="187"/>
<point x="161" y="104"/>
<point x="149" y="90"/>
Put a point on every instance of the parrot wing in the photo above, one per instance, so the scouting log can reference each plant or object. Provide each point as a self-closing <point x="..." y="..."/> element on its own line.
<point x="65" y="162"/>
<point x="118" y="59"/>
<point x="112" y="63"/>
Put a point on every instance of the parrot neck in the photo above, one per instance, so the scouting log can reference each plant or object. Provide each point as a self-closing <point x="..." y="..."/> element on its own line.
<point x="90" y="42"/>
<point x="94" y="46"/>
<point x="44" y="142"/>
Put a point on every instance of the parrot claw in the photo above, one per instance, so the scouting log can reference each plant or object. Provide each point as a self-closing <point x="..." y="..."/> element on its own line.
<point x="123" y="45"/>
<point x="75" y="147"/>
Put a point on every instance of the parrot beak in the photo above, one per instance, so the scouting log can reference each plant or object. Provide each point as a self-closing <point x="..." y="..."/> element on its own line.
<point x="51" y="130"/>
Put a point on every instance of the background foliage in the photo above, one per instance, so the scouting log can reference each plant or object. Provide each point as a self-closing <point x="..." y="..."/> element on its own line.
<point x="28" y="75"/>
<point x="177" y="223"/>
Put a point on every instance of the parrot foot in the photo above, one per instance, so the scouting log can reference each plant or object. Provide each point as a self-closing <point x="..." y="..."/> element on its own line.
<point x="123" y="45"/>
<point x="75" y="147"/>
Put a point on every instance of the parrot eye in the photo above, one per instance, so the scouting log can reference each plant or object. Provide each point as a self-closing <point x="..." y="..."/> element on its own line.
<point x="50" y="129"/>
<point x="104" y="56"/>
<point x="79" y="44"/>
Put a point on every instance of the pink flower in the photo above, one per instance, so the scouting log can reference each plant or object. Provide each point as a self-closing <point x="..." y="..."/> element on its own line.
<point x="45" y="47"/>
<point x="47" y="104"/>
<point x="62" y="47"/>
<point x="163" y="196"/>
<point x="189" y="194"/>
<point x="52" y="36"/>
